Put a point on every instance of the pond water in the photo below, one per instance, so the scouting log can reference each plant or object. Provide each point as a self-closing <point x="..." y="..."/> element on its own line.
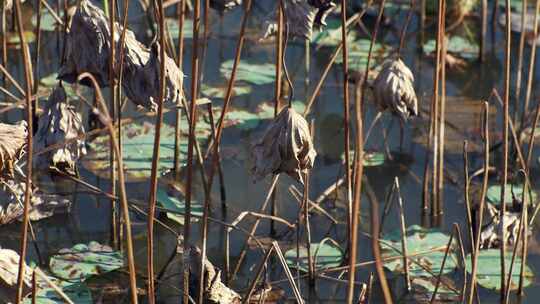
<point x="90" y="217"/>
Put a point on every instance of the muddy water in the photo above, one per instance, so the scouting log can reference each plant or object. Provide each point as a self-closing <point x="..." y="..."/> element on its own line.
<point x="90" y="215"/>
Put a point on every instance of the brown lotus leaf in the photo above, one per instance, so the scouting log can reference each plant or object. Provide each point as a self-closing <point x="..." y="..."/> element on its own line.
<point x="12" y="143"/>
<point x="394" y="89"/>
<point x="88" y="49"/>
<point x="300" y="17"/>
<point x="286" y="147"/>
<point x="9" y="269"/>
<point x="58" y="124"/>
<point x="42" y="205"/>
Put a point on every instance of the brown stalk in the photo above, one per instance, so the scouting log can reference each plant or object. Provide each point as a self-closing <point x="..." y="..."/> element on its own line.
<point x="155" y="158"/>
<point x="277" y="91"/>
<point x="524" y="247"/>
<point x="29" y="149"/>
<point x="442" y="115"/>
<point x="105" y="118"/>
<point x="403" y="235"/>
<point x="311" y="264"/>
<point x="505" y="145"/>
<point x="34" y="287"/>
<point x="179" y="62"/>
<point x="483" y="31"/>
<point x="37" y="58"/>
<point x="191" y="142"/>
<point x="346" y="120"/>
<point x="517" y="91"/>
<point x="482" y="203"/>
<point x="467" y="196"/>
<point x="375" y="242"/>
<point x="262" y="266"/>
<point x="434" y="294"/>
<point x="4" y="42"/>
<point x="532" y="61"/>
<point x="436" y="111"/>
<point x="219" y="130"/>
<point x="287" y="271"/>
<point x="404" y="29"/>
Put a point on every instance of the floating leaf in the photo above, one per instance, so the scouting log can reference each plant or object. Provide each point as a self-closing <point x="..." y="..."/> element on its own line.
<point x="77" y="292"/>
<point x="172" y="25"/>
<point x="12" y="142"/>
<point x="324" y="256"/>
<point x="137" y="149"/>
<point x="489" y="269"/>
<point x="457" y="46"/>
<point x="423" y="288"/>
<point x="428" y="245"/>
<point x="219" y="92"/>
<point x="14" y="40"/>
<point x="512" y="191"/>
<point x="246" y="120"/>
<point x="48" y="23"/>
<point x="371" y="159"/>
<point x="358" y="54"/>
<point x="82" y="261"/>
<point x="331" y="35"/>
<point x="253" y="73"/>
<point x="172" y="203"/>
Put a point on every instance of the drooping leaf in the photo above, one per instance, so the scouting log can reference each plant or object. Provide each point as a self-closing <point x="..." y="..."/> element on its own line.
<point x="489" y="269"/>
<point x="173" y="203"/>
<point x="428" y="246"/>
<point x="253" y="73"/>
<point x="9" y="269"/>
<point x="137" y="145"/>
<point x="12" y="143"/>
<point x="456" y="45"/>
<point x="324" y="256"/>
<point x="84" y="260"/>
<point x="512" y="192"/>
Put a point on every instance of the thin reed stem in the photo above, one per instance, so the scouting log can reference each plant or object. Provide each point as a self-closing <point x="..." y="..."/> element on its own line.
<point x="25" y="53"/>
<point x="442" y="116"/>
<point x="179" y="63"/>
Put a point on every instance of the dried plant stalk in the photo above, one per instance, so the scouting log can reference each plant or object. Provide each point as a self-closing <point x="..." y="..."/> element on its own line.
<point x="286" y="147"/>
<point x="60" y="123"/>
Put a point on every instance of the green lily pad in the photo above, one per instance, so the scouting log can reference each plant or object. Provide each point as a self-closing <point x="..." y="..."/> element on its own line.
<point x="324" y="256"/>
<point x="219" y="92"/>
<point x="172" y="24"/>
<point x="456" y="45"/>
<point x="172" y="203"/>
<point x="331" y="35"/>
<point x="253" y="73"/>
<point x="14" y="41"/>
<point x="246" y="120"/>
<point x="137" y="149"/>
<point x="489" y="269"/>
<point x="428" y="245"/>
<point x="494" y="194"/>
<point x="358" y="54"/>
<point x="371" y="159"/>
<point x="82" y="261"/>
<point x="77" y="292"/>
<point x="48" y="23"/>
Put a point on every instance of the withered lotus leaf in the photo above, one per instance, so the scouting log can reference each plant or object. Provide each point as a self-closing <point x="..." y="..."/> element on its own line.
<point x="286" y="147"/>
<point x="9" y="269"/>
<point x="42" y="205"/>
<point x="394" y="89"/>
<point x="88" y="49"/>
<point x="300" y="17"/>
<point x="12" y="143"/>
<point x="60" y="125"/>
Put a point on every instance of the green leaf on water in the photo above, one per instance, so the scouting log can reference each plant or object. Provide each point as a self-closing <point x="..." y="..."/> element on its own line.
<point x="172" y="25"/>
<point x="489" y="269"/>
<point x="245" y="120"/>
<point x="324" y="256"/>
<point x="258" y="74"/>
<point x="371" y="159"/>
<point x="172" y="203"/>
<point x="331" y="35"/>
<point x="77" y="292"/>
<point x="84" y="260"/>
<point x="428" y="246"/>
<point x="512" y="191"/>
<point x="138" y="145"/>
<point x="358" y="54"/>
<point x="219" y="92"/>
<point x="48" y="23"/>
<point x="14" y="40"/>
<point x="456" y="45"/>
